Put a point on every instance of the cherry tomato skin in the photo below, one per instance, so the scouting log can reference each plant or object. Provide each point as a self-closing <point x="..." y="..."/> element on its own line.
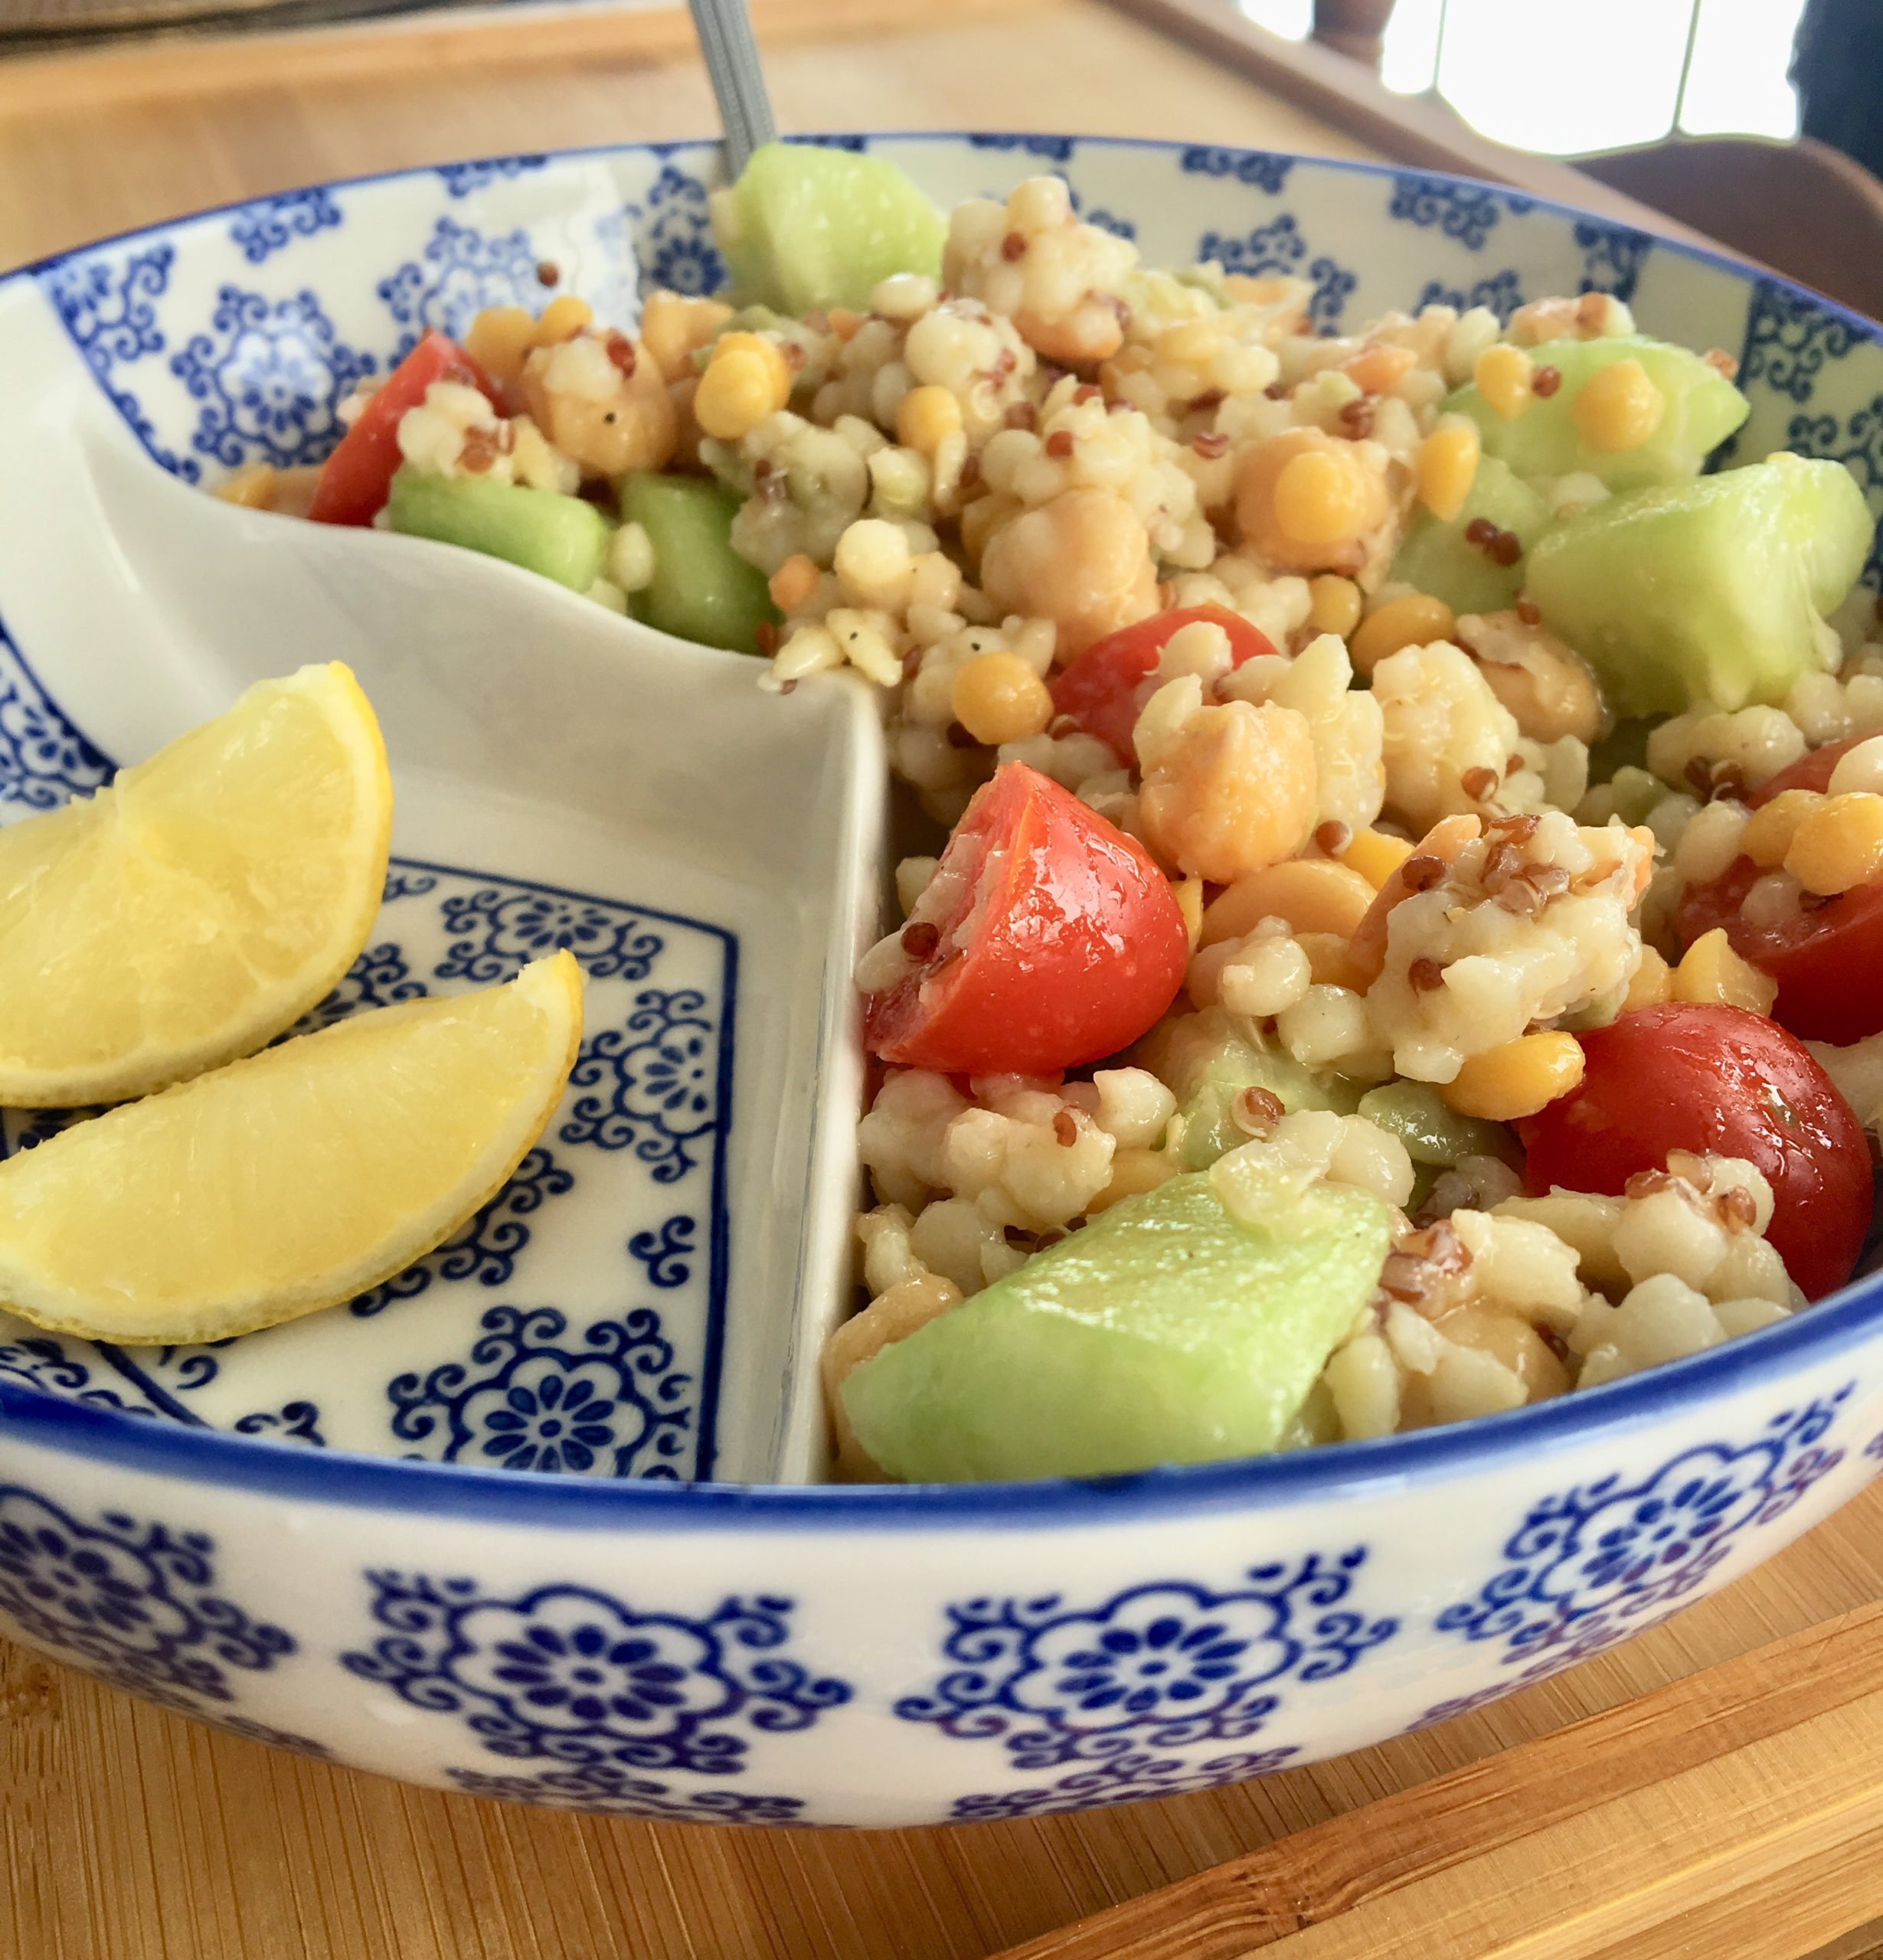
<point x="1716" y="1079"/>
<point x="1829" y="961"/>
<point x="1100" y="690"/>
<point x="355" y="479"/>
<point x="1077" y="946"/>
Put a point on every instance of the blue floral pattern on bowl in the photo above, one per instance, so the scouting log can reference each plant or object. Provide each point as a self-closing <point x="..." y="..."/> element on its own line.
<point x="575" y="1677"/>
<point x="1590" y="1565"/>
<point x="130" y="1601"/>
<point x="1163" y="1666"/>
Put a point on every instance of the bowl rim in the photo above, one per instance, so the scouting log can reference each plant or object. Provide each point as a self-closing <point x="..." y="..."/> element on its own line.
<point x="261" y="1466"/>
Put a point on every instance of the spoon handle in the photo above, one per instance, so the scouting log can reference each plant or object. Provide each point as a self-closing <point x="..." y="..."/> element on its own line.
<point x="724" y="27"/>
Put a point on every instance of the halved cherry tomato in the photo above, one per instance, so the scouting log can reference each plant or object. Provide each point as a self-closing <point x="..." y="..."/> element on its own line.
<point x="1103" y="689"/>
<point x="1716" y="1079"/>
<point x="354" y="480"/>
<point x="1064" y="944"/>
<point x="1829" y="960"/>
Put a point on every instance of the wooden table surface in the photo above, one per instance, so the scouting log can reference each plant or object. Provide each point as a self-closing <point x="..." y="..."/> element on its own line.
<point x="132" y="1835"/>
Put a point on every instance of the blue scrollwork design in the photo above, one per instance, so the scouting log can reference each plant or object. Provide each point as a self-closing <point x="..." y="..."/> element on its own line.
<point x="1873" y="1449"/>
<point x="109" y="308"/>
<point x="616" y="1408"/>
<point x="487" y="1248"/>
<point x="570" y="1674"/>
<point x="44" y="758"/>
<point x="1501" y="292"/>
<point x="1856" y="441"/>
<point x="494" y="933"/>
<point x="1163" y="1666"/>
<point x="461" y="179"/>
<point x="1613" y="255"/>
<point x="270" y="374"/>
<point x="402" y="882"/>
<point x="1789" y="339"/>
<point x="661" y="1076"/>
<point x="459" y="273"/>
<point x="1123" y="1779"/>
<point x="1278" y="246"/>
<point x="665" y="1252"/>
<point x="1467" y="212"/>
<point x="1591" y="1566"/>
<point x="378" y="978"/>
<point x="131" y="1601"/>
<point x="605" y="1787"/>
<point x="673" y="235"/>
<point x="1257" y="168"/>
<point x="1053" y="149"/>
<point x="293" y="1422"/>
<point x="266" y="227"/>
<point x="43" y="1364"/>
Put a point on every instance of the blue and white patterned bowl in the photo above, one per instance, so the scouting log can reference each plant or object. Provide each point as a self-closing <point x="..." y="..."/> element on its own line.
<point x="231" y="1532"/>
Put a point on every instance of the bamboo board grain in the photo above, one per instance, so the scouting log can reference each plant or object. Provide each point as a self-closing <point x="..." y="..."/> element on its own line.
<point x="127" y="1834"/>
<point x="1739" y="1810"/>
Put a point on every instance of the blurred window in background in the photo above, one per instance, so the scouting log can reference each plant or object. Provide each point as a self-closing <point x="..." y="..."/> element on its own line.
<point x="1605" y="74"/>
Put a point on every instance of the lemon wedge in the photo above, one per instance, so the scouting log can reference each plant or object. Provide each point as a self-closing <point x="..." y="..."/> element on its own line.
<point x="200" y="904"/>
<point x="278" y="1185"/>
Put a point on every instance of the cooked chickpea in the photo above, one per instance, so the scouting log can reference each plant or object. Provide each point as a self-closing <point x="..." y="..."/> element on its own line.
<point x="1306" y="501"/>
<point x="1083" y="560"/>
<point x="1618" y="408"/>
<point x="1333" y="604"/>
<point x="998" y="697"/>
<point x="608" y="419"/>
<point x="1236" y="791"/>
<point x="1415" y="619"/>
<point x="1550" y="692"/>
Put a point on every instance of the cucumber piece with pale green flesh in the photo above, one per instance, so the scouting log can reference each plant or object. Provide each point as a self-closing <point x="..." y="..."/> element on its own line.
<point x="1431" y="1129"/>
<point x="1438" y="558"/>
<point x="560" y="537"/>
<point x="806" y="229"/>
<point x="1208" y="1059"/>
<point x="1702" y="408"/>
<point x="1712" y="592"/>
<point x="702" y="590"/>
<point x="1165" y="1331"/>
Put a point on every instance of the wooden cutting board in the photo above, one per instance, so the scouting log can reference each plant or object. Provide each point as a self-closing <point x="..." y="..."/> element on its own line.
<point x="126" y="1834"/>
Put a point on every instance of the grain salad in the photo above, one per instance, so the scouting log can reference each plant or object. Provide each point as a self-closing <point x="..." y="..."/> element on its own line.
<point x="1394" y="928"/>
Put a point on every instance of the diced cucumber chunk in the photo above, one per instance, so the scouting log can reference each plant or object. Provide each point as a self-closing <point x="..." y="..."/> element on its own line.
<point x="1165" y="1331"/>
<point x="703" y="590"/>
<point x="1709" y="592"/>
<point x="559" y="538"/>
<point x="806" y="228"/>
<point x="1431" y="1129"/>
<point x="1703" y="408"/>
<point x="1438" y="558"/>
<point x="1208" y="1058"/>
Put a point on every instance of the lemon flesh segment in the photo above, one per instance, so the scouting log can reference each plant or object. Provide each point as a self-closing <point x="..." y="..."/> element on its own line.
<point x="198" y="906"/>
<point x="292" y="1181"/>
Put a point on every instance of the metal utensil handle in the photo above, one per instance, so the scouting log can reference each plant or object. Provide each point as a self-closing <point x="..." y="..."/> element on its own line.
<point x="724" y="27"/>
